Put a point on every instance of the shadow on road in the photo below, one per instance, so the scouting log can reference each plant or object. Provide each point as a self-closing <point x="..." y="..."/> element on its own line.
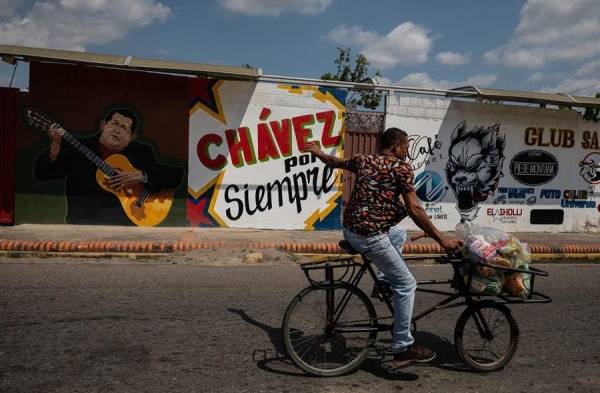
<point x="275" y="360"/>
<point x="446" y="357"/>
<point x="274" y="333"/>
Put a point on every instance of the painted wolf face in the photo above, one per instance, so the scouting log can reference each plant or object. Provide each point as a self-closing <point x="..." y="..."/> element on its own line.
<point x="474" y="166"/>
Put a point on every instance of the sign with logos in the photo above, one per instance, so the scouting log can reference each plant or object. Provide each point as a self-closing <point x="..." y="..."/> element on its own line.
<point x="534" y="167"/>
<point x="589" y="168"/>
<point x="429" y="186"/>
<point x="505" y="166"/>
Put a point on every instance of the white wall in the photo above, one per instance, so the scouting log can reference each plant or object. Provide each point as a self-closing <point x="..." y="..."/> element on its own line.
<point x="509" y="202"/>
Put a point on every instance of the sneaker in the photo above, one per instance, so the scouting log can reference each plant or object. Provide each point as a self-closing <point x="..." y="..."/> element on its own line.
<point x="414" y="354"/>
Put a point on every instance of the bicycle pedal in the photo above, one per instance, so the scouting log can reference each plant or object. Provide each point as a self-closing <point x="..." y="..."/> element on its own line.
<point x="381" y="291"/>
<point x="375" y="294"/>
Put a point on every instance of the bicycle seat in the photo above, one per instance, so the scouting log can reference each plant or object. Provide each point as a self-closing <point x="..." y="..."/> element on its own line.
<point x="347" y="246"/>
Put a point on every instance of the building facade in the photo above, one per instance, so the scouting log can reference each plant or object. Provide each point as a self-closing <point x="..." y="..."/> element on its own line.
<point x="228" y="153"/>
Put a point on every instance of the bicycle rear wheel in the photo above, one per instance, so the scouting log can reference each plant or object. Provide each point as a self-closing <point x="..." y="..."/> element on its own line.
<point x="326" y="349"/>
<point x="486" y="336"/>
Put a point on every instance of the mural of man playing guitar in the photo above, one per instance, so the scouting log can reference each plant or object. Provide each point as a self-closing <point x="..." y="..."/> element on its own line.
<point x="111" y="162"/>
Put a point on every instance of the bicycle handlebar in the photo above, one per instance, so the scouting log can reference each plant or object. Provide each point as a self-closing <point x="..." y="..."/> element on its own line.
<point x="451" y="254"/>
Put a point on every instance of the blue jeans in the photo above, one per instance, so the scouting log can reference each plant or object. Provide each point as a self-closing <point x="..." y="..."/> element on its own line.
<point x="385" y="251"/>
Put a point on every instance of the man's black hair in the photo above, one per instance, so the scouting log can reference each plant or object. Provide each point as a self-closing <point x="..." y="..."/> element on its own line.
<point x="392" y="136"/>
<point x="124" y="112"/>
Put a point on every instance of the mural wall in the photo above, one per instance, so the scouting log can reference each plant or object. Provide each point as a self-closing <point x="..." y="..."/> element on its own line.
<point x="246" y="165"/>
<point x="100" y="146"/>
<point x="515" y="168"/>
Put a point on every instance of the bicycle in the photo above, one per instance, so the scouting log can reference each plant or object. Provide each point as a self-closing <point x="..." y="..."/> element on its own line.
<point x="330" y="326"/>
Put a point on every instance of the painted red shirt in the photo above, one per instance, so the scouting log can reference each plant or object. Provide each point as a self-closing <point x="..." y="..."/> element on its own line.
<point x="376" y="204"/>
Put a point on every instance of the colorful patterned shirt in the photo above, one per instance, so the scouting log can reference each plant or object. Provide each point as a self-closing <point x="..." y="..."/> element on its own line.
<point x="376" y="204"/>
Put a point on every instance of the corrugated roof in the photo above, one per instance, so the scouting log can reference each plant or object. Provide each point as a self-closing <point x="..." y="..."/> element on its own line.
<point x="128" y="62"/>
<point x="221" y="71"/>
<point x="561" y="99"/>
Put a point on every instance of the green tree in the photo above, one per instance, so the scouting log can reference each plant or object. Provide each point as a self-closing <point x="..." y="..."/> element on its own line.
<point x="357" y="72"/>
<point x="591" y="113"/>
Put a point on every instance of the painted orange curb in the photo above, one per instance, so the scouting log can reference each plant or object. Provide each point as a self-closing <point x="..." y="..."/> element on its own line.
<point x="109" y="246"/>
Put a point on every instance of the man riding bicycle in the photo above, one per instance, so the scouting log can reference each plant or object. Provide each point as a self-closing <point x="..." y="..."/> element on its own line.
<point x="383" y="195"/>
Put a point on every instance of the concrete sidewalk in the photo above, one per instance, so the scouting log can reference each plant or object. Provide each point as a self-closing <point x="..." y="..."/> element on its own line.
<point x="114" y="239"/>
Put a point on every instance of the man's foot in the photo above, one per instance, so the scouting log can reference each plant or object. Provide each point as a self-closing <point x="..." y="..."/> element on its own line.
<point x="414" y="354"/>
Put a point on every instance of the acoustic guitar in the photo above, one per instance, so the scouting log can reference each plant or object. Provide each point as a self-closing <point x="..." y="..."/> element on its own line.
<point x="142" y="208"/>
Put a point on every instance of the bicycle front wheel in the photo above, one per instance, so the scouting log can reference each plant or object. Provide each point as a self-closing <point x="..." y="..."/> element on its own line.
<point x="486" y="336"/>
<point x="328" y="332"/>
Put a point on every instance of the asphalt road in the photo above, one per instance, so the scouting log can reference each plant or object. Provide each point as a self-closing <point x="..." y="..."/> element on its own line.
<point x="107" y="326"/>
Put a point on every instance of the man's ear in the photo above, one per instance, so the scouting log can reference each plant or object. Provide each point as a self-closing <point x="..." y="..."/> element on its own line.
<point x="133" y="135"/>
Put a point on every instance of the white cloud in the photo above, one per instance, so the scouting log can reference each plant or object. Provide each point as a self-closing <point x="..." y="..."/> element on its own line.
<point x="480" y="80"/>
<point x="275" y="7"/>
<point x="9" y="7"/>
<point x="381" y="80"/>
<point x="589" y="69"/>
<point x="354" y="35"/>
<point x="418" y="79"/>
<point x="536" y="77"/>
<point x="421" y="79"/>
<point x="406" y="45"/>
<point x="576" y="86"/>
<point x="549" y="31"/>
<point x="74" y="24"/>
<point x="453" y="58"/>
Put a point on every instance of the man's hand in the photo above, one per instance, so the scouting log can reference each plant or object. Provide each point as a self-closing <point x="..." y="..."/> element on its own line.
<point x="124" y="179"/>
<point x="327" y="159"/>
<point x="312" y="147"/>
<point x="450" y="244"/>
<point x="55" y="133"/>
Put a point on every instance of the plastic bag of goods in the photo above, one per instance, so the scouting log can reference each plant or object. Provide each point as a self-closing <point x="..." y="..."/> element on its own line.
<point x="486" y="286"/>
<point x="464" y="231"/>
<point x="517" y="284"/>
<point x="482" y="246"/>
<point x="486" y="281"/>
<point x="478" y="250"/>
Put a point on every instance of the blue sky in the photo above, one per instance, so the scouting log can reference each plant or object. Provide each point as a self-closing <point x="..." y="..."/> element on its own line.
<point x="546" y="45"/>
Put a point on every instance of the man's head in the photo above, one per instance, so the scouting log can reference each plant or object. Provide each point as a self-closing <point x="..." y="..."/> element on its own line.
<point x="396" y="141"/>
<point x="118" y="128"/>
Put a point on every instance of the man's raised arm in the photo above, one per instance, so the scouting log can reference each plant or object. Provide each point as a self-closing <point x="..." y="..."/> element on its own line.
<point x="328" y="159"/>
